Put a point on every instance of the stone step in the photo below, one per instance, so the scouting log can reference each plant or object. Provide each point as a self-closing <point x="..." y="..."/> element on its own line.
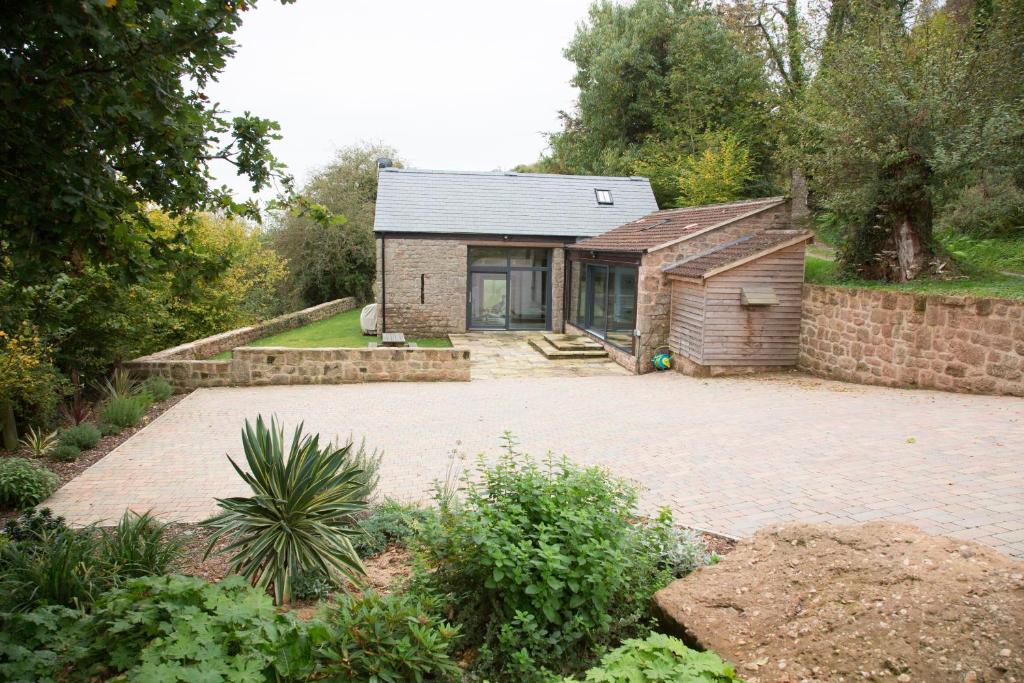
<point x="550" y="352"/>
<point x="572" y="342"/>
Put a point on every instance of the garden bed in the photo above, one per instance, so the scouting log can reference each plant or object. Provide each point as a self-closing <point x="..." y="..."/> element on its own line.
<point x="66" y="471"/>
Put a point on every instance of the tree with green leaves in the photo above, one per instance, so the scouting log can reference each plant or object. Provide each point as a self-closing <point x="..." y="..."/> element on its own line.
<point x="106" y="125"/>
<point x="655" y="78"/>
<point x="337" y="260"/>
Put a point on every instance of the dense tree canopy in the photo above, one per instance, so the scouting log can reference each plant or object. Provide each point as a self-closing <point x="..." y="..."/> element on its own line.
<point x="330" y="261"/>
<point x="656" y="77"/>
<point x="104" y="115"/>
<point x="898" y="116"/>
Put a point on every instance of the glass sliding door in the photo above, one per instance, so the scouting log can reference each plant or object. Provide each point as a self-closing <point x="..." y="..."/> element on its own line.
<point x="597" y="292"/>
<point x="603" y="301"/>
<point x="509" y="288"/>
<point x="528" y="303"/>
<point x="488" y="301"/>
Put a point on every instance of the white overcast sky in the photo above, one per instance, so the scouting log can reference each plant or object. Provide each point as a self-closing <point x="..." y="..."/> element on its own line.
<point x="451" y="84"/>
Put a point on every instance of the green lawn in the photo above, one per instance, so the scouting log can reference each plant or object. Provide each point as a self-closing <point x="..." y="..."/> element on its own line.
<point x="821" y="271"/>
<point x="341" y="330"/>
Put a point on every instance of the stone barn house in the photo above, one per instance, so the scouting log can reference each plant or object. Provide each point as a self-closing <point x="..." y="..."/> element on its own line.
<point x="486" y="251"/>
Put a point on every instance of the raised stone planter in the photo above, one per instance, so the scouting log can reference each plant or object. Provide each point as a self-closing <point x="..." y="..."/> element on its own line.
<point x="253" y="366"/>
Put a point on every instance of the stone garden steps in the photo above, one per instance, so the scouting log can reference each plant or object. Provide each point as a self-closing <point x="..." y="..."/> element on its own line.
<point x="565" y="346"/>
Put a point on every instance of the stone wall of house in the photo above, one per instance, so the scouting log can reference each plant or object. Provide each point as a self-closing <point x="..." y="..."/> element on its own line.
<point x="654" y="304"/>
<point x="257" y="366"/>
<point x="225" y="341"/>
<point x="952" y="343"/>
<point x="426" y="285"/>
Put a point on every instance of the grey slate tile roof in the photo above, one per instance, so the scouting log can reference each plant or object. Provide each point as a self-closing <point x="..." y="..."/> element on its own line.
<point x="534" y="204"/>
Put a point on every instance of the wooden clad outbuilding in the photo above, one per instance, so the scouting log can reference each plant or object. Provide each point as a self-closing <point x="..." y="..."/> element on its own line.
<point x="736" y="307"/>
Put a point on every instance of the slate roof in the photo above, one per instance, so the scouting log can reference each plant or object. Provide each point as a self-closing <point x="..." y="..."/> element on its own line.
<point x="724" y="256"/>
<point x="661" y="227"/>
<point x="534" y="204"/>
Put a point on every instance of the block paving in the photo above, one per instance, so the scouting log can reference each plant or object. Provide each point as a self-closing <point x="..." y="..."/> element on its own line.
<point x="728" y="455"/>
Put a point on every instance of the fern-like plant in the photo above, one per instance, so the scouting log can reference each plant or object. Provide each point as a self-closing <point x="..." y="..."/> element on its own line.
<point x="299" y="517"/>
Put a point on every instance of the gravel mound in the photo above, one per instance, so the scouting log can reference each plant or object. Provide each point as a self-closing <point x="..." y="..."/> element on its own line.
<point x="871" y="602"/>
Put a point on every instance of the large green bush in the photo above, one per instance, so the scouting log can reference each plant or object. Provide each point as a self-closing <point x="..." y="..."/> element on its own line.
<point x="660" y="658"/>
<point x="541" y="565"/>
<point x="24" y="484"/>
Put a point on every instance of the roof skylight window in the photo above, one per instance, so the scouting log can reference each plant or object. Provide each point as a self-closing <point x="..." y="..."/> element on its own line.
<point x="604" y="197"/>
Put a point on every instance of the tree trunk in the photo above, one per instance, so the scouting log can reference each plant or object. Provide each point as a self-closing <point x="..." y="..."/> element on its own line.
<point x="912" y="254"/>
<point x="798" y="191"/>
<point x="10" y="429"/>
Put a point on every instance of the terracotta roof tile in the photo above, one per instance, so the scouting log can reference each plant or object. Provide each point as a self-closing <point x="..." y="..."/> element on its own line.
<point x="732" y="252"/>
<point x="660" y="227"/>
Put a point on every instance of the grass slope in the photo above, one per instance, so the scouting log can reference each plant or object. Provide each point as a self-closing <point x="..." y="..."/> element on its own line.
<point x="824" y="272"/>
<point x="341" y="330"/>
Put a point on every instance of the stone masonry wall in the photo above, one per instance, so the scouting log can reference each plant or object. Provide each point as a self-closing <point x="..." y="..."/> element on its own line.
<point x="442" y="265"/>
<point x="436" y="305"/>
<point x="654" y="305"/>
<point x="256" y="366"/>
<point x="952" y="343"/>
<point x="225" y="341"/>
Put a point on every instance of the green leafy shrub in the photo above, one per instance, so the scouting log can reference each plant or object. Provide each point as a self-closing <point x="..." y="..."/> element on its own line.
<point x="660" y="658"/>
<point x="49" y="564"/>
<point x="389" y="523"/>
<point x="24" y="484"/>
<point x="32" y="524"/>
<point x="59" y="567"/>
<point x="107" y="429"/>
<point x="84" y="436"/>
<point x="39" y="442"/>
<point x="368" y="463"/>
<point x="158" y="389"/>
<point x="392" y="637"/>
<point x="300" y="514"/>
<point x="312" y="584"/>
<point x="680" y="551"/>
<point x="37" y="646"/>
<point x="541" y="565"/>
<point x="65" y="452"/>
<point x="138" y="546"/>
<point x="124" y="411"/>
<point x="171" y="628"/>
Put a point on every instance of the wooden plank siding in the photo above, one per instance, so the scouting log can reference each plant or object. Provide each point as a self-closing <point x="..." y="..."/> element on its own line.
<point x="711" y="327"/>
<point x="686" y="328"/>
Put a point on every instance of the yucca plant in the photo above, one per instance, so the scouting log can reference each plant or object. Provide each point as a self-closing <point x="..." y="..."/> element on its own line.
<point x="39" y="442"/>
<point x="300" y="516"/>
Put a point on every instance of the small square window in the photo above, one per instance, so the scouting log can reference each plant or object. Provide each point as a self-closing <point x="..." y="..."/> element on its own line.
<point x="604" y="197"/>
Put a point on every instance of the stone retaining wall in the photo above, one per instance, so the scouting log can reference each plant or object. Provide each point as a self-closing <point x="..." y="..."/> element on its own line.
<point x="225" y="341"/>
<point x="257" y="366"/>
<point x="952" y="343"/>
<point x="185" y="368"/>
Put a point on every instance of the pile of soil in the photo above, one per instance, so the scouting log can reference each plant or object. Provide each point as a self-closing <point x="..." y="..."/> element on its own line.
<point x="871" y="602"/>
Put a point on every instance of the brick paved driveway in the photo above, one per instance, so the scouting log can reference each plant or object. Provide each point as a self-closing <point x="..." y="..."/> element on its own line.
<point x="729" y="455"/>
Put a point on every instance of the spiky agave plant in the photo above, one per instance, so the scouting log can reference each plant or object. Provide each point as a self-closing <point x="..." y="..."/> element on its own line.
<point x="300" y="516"/>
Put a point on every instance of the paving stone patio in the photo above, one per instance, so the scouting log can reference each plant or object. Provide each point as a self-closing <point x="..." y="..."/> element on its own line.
<point x="728" y="455"/>
<point x="509" y="354"/>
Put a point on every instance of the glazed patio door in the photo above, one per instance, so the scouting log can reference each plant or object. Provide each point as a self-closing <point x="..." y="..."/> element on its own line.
<point x="488" y="301"/>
